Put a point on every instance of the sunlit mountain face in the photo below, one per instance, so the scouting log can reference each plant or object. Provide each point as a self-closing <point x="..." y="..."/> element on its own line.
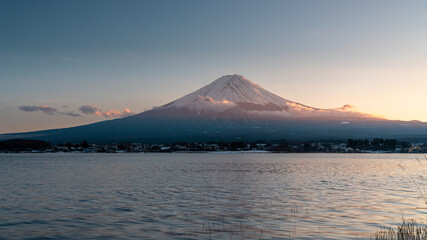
<point x="234" y="108"/>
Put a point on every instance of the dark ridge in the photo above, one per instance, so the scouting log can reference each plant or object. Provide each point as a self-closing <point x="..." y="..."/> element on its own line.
<point x="23" y="144"/>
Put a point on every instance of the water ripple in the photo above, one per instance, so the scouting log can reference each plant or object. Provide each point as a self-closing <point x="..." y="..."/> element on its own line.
<point x="206" y="196"/>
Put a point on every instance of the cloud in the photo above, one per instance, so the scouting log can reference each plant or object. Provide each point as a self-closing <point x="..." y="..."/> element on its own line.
<point x="47" y="110"/>
<point x="43" y="108"/>
<point x="116" y="113"/>
<point x="301" y="111"/>
<point x="90" y="109"/>
<point x="347" y="108"/>
<point x="71" y="114"/>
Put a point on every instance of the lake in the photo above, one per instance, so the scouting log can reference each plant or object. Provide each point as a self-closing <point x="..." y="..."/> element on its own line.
<point x="207" y="195"/>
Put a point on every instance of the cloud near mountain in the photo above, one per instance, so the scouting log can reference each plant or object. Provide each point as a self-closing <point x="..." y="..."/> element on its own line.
<point x="42" y="108"/>
<point x="47" y="110"/>
<point x="90" y="109"/>
<point x="298" y="110"/>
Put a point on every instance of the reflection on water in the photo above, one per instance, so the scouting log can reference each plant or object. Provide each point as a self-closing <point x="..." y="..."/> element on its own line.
<point x="206" y="196"/>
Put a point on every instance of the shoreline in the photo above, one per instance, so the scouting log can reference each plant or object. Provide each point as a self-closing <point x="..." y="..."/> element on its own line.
<point x="214" y="152"/>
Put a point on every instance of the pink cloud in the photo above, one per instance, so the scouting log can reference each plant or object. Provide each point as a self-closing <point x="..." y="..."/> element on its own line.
<point x="90" y="109"/>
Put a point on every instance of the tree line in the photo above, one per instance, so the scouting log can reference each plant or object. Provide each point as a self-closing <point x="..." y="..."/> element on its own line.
<point x="376" y="144"/>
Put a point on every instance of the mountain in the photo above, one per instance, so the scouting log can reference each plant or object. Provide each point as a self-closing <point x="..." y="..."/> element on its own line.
<point x="234" y="108"/>
<point x="234" y="96"/>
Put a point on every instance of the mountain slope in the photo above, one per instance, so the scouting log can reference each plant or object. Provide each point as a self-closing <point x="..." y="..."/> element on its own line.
<point x="234" y="96"/>
<point x="228" y="92"/>
<point x="233" y="108"/>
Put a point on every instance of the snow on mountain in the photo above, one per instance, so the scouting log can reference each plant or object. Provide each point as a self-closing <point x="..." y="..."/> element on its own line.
<point x="228" y="92"/>
<point x="235" y="92"/>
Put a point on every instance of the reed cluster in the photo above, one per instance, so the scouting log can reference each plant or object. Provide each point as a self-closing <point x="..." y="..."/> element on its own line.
<point x="407" y="230"/>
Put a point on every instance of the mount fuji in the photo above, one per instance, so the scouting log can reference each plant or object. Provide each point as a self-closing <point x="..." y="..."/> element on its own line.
<point x="234" y="96"/>
<point x="234" y="108"/>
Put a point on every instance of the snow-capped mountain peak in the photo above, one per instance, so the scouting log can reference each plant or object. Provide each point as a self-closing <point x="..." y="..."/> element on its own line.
<point x="237" y="95"/>
<point x="236" y="88"/>
<point x="227" y="92"/>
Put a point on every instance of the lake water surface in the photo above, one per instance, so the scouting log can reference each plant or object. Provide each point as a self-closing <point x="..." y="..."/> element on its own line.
<point x="207" y="196"/>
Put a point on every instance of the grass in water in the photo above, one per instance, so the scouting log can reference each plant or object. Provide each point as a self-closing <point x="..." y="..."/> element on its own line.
<point x="407" y="230"/>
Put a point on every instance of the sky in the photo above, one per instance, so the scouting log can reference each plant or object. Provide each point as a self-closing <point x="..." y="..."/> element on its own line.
<point x="68" y="63"/>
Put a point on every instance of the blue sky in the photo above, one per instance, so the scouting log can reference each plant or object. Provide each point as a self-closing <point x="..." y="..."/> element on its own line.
<point x="139" y="54"/>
